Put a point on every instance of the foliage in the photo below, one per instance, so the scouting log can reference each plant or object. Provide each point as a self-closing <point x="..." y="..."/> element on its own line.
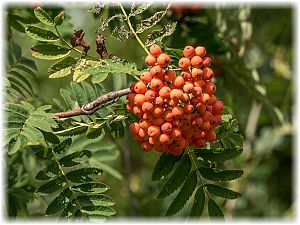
<point x="62" y="167"/>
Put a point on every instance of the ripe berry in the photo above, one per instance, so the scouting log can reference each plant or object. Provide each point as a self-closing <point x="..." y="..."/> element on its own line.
<point x="146" y="77"/>
<point x="197" y="73"/>
<point x="150" y="95"/>
<point x="155" y="50"/>
<point x="184" y="63"/>
<point x="196" y="61"/>
<point x="186" y="75"/>
<point x="145" y="146"/>
<point x="168" y="116"/>
<point x="147" y="107"/>
<point x="188" y="51"/>
<point x="218" y="108"/>
<point x="139" y="99"/>
<point x="200" y="51"/>
<point x="154" y="131"/>
<point x="164" y="92"/>
<point x="134" y="128"/>
<point x="169" y="75"/>
<point x="207" y="73"/>
<point x="204" y="98"/>
<point x="206" y="62"/>
<point x="164" y="138"/>
<point x="143" y="134"/>
<point x="210" y="136"/>
<point x="144" y="124"/>
<point x="188" y="88"/>
<point x="212" y="100"/>
<point x="178" y="82"/>
<point x="199" y="142"/>
<point x="157" y="111"/>
<point x="166" y="127"/>
<point x="140" y="87"/>
<point x="159" y="101"/>
<point x="150" y="60"/>
<point x="156" y="84"/>
<point x="163" y="60"/>
<point x="210" y="88"/>
<point x="137" y="110"/>
<point x="158" y="121"/>
<point x="156" y="71"/>
<point x="188" y="108"/>
<point x="147" y="116"/>
<point x="177" y="111"/>
<point x="176" y="133"/>
<point x="176" y="94"/>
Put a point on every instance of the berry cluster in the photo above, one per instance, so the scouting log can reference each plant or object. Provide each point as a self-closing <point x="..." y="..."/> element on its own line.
<point x="175" y="111"/>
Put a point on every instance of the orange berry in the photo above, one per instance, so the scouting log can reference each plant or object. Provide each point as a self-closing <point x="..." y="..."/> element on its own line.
<point x="143" y="134"/>
<point x="176" y="133"/>
<point x="144" y="124"/>
<point x="145" y="146"/>
<point x="177" y="111"/>
<point x="180" y="143"/>
<point x="176" y="94"/>
<point x="140" y="87"/>
<point x="172" y="102"/>
<point x="158" y="101"/>
<point x="188" y="88"/>
<point x="200" y="51"/>
<point x="196" y="61"/>
<point x="147" y="116"/>
<point x="186" y="75"/>
<point x="168" y="116"/>
<point x="210" y="88"/>
<point x="207" y="73"/>
<point x="129" y="107"/>
<point x="197" y="91"/>
<point x="155" y="50"/>
<point x="164" y="138"/>
<point x="201" y="108"/>
<point x="218" y="108"/>
<point x="139" y="99"/>
<point x="177" y="122"/>
<point x="205" y="125"/>
<point x="150" y="95"/>
<point x="146" y="77"/>
<point x="197" y="122"/>
<point x="154" y="131"/>
<point x="152" y="140"/>
<point x="150" y="60"/>
<point x="178" y="82"/>
<point x="137" y="138"/>
<point x="147" y="107"/>
<point x="185" y="98"/>
<point x="199" y="83"/>
<point x="169" y="75"/>
<point x="132" y="87"/>
<point x="206" y="116"/>
<point x="212" y="100"/>
<point x="134" y="128"/>
<point x="130" y="98"/>
<point x="163" y="60"/>
<point x="156" y="84"/>
<point x="188" y="51"/>
<point x="164" y="92"/>
<point x="184" y="63"/>
<point x="215" y="120"/>
<point x="158" y="121"/>
<point x="157" y="111"/>
<point x="188" y="108"/>
<point x="210" y="136"/>
<point x="199" y="142"/>
<point x="197" y="73"/>
<point x="204" y="98"/>
<point x="206" y="62"/>
<point x="137" y="110"/>
<point x="156" y="71"/>
<point x="166" y="127"/>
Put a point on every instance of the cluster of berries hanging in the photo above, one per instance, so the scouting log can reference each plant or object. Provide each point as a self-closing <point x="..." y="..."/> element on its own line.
<point x="175" y="111"/>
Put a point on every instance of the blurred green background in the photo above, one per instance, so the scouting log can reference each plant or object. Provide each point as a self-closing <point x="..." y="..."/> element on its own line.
<point x="253" y="52"/>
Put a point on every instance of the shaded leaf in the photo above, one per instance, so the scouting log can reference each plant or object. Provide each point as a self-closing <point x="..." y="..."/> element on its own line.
<point x="60" y="202"/>
<point x="61" y="68"/>
<point x="199" y="201"/>
<point x="164" y="166"/>
<point x="43" y="16"/>
<point x="98" y="211"/>
<point x="50" y="171"/>
<point x="214" y="210"/>
<point x="95" y="200"/>
<point x="91" y="187"/>
<point x="52" y="185"/>
<point x="83" y="175"/>
<point x="49" y="51"/>
<point x="75" y="158"/>
<point x="218" y="154"/>
<point x="220" y="175"/>
<point x="41" y="34"/>
<point x="222" y="192"/>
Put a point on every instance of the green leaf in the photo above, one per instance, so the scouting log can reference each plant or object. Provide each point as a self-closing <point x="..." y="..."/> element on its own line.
<point x="222" y="192"/>
<point x="91" y="187"/>
<point x="164" y="166"/>
<point x="63" y="146"/>
<point x="98" y="211"/>
<point x="95" y="200"/>
<point x="214" y="211"/>
<point x="236" y="139"/>
<point x="59" y="19"/>
<point x="151" y="21"/>
<point x="43" y="16"/>
<point x="75" y="158"/>
<point x="41" y="34"/>
<point x="83" y="175"/>
<point x="60" y="202"/>
<point x="158" y="35"/>
<point x="50" y="137"/>
<point x="220" y="175"/>
<point x="78" y="93"/>
<point x="50" y="171"/>
<point x="62" y="68"/>
<point x="106" y="168"/>
<point x="50" y="51"/>
<point x="52" y="185"/>
<point x="120" y="33"/>
<point x="99" y="77"/>
<point x="218" y="154"/>
<point x="199" y="201"/>
<point x="117" y="129"/>
<point x="178" y="177"/>
<point x="183" y="195"/>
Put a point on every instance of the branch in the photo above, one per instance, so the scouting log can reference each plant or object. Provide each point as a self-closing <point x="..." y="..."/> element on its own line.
<point x="90" y="108"/>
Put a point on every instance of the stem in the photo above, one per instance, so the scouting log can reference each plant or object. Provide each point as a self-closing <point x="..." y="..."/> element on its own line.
<point x="194" y="163"/>
<point x="133" y="31"/>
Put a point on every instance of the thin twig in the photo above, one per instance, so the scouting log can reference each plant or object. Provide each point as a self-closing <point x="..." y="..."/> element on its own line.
<point x="90" y="108"/>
